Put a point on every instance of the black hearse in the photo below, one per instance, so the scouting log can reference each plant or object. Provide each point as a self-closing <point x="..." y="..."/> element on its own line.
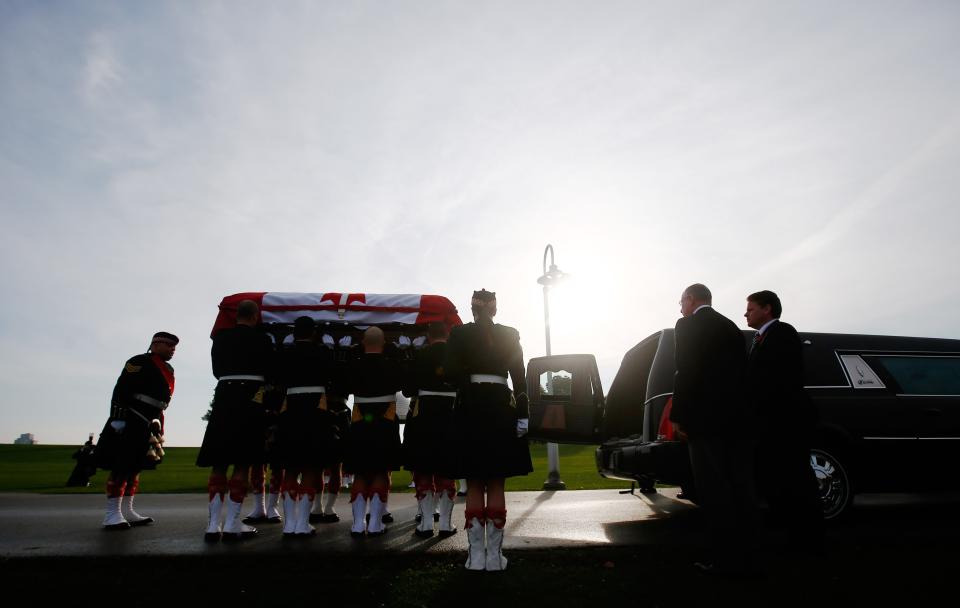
<point x="889" y="413"/>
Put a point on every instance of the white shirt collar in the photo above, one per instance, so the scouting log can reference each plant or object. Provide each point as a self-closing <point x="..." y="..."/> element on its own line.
<point x="765" y="326"/>
<point x="697" y="309"/>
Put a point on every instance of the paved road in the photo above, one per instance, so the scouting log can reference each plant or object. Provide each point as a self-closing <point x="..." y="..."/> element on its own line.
<point x="34" y="524"/>
<point x="61" y="525"/>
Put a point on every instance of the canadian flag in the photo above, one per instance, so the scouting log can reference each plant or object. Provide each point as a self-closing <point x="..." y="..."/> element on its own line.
<point x="349" y="308"/>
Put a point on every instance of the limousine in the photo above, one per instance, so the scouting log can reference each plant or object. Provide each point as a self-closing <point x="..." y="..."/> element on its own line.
<point x="889" y="413"/>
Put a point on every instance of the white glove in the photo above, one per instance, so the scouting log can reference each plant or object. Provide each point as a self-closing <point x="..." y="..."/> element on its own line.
<point x="523" y="425"/>
<point x="404" y="342"/>
<point x="327" y="339"/>
<point x="346" y="341"/>
<point x="420" y="341"/>
<point x="118" y="425"/>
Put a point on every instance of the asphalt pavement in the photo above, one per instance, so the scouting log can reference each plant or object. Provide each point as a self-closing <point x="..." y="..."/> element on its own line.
<point x="69" y="525"/>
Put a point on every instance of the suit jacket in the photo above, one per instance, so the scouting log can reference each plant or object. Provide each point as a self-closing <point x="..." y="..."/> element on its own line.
<point x="708" y="395"/>
<point x="775" y="383"/>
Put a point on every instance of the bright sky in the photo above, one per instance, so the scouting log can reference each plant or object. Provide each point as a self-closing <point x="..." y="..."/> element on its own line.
<point x="155" y="157"/>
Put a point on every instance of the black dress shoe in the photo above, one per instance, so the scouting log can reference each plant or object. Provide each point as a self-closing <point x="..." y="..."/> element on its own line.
<point x="238" y="536"/>
<point x="143" y="522"/>
<point x="272" y="520"/>
<point x="423" y="533"/>
<point x="357" y="535"/>
<point x="329" y="518"/>
<point x="387" y="518"/>
<point x="316" y="518"/>
<point x="447" y="533"/>
<point x="117" y="527"/>
<point x="436" y="517"/>
<point x="254" y="520"/>
<point x="211" y="537"/>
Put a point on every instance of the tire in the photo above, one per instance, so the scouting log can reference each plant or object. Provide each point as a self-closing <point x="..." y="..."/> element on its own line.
<point x="836" y="489"/>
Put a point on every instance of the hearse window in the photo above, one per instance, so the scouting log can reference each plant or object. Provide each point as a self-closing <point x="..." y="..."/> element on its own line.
<point x="558" y="385"/>
<point x="861" y="375"/>
<point x="822" y="368"/>
<point x="924" y="375"/>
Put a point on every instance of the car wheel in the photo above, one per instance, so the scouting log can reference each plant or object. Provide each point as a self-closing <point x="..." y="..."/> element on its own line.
<point x="833" y="481"/>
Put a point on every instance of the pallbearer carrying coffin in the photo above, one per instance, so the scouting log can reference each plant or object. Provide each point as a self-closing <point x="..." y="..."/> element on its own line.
<point x="373" y="449"/>
<point x="243" y="359"/>
<point x="428" y="434"/>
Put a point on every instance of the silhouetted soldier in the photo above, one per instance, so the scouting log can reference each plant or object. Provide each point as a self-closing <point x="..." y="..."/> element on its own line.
<point x="242" y="358"/>
<point x="492" y="421"/>
<point x="373" y="449"/>
<point x="130" y="439"/>
<point x="86" y="465"/>
<point x="427" y="437"/>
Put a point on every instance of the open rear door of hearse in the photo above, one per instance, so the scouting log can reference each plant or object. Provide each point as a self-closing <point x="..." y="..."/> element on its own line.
<point x="566" y="399"/>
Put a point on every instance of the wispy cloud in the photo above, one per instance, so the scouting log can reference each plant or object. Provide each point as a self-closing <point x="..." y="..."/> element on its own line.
<point x="102" y="71"/>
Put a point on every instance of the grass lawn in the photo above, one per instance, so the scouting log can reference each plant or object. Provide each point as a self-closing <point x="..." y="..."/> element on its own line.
<point x="45" y="468"/>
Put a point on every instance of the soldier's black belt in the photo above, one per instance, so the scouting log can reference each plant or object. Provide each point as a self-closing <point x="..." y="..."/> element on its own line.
<point x="151" y="401"/>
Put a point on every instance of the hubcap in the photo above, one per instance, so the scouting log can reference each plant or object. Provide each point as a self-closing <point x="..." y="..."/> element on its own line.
<point x="833" y="483"/>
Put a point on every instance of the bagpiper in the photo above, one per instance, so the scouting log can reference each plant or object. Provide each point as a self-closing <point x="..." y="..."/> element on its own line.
<point x="132" y="438"/>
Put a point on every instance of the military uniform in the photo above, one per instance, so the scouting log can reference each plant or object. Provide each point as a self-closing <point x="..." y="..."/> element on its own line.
<point x="308" y="437"/>
<point x="140" y="396"/>
<point x="478" y="360"/>
<point x="373" y="445"/>
<point x="427" y="437"/>
<point x="243" y="360"/>
<point x="491" y="422"/>
<point x="323" y="510"/>
<point x="132" y="438"/>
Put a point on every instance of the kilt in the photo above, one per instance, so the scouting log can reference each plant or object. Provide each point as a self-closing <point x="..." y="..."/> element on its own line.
<point x="308" y="435"/>
<point x="236" y="431"/>
<point x="485" y="443"/>
<point x="126" y="450"/>
<point x="373" y="443"/>
<point x="426" y="438"/>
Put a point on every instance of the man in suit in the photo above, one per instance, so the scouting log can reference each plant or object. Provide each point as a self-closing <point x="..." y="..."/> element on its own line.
<point x="710" y="410"/>
<point x="785" y="421"/>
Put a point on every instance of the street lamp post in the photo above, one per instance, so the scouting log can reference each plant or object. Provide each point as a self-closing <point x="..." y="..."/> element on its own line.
<point x="550" y="277"/>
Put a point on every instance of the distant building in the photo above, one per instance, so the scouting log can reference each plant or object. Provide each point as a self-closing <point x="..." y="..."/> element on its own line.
<point x="25" y="439"/>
